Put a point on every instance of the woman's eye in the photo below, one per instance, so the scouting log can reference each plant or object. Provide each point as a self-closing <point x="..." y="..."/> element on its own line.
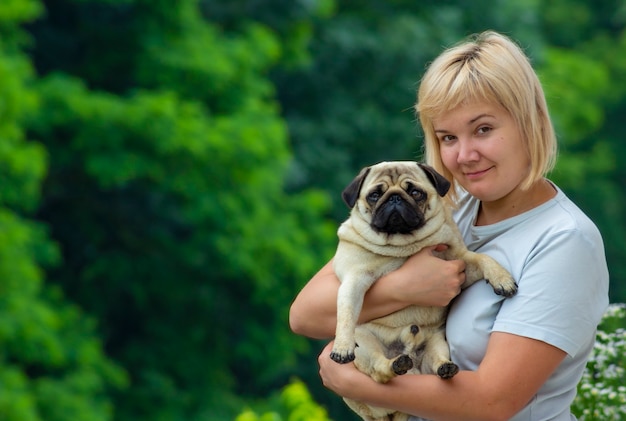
<point x="447" y="138"/>
<point x="483" y="129"/>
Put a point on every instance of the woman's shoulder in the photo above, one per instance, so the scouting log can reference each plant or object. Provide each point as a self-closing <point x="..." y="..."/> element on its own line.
<point x="569" y="216"/>
<point x="559" y="217"/>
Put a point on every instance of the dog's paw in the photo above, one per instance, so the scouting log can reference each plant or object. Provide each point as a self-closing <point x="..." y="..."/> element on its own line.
<point x="506" y="288"/>
<point x="402" y="364"/>
<point x="342" y="357"/>
<point x="506" y="291"/>
<point x="503" y="284"/>
<point x="447" y="370"/>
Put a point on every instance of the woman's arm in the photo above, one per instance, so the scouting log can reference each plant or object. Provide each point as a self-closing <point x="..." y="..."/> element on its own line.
<point x="424" y="279"/>
<point x="513" y="370"/>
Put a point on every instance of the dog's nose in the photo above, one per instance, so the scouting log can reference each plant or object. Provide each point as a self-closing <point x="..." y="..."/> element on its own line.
<point x="395" y="198"/>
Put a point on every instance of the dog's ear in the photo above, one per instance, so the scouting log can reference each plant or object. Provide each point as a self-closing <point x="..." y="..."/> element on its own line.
<point x="442" y="185"/>
<point x="351" y="192"/>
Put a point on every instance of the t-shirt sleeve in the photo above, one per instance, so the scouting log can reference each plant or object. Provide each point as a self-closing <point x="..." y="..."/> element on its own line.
<point x="562" y="292"/>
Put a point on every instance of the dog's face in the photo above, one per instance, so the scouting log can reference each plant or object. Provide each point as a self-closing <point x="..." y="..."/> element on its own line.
<point x="395" y="197"/>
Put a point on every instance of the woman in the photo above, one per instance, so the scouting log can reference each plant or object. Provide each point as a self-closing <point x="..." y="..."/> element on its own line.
<point x="487" y="129"/>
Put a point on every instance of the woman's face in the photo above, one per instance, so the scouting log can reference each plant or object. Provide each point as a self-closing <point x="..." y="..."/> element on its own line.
<point x="482" y="147"/>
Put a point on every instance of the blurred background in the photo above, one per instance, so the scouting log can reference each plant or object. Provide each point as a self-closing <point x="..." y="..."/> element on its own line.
<point x="170" y="177"/>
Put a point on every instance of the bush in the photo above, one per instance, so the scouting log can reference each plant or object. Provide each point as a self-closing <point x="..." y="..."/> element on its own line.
<point x="294" y="404"/>
<point x="601" y="394"/>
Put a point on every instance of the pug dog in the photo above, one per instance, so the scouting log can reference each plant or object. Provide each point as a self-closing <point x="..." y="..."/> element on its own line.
<point x="397" y="209"/>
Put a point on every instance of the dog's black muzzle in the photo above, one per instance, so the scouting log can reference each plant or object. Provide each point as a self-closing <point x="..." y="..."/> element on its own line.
<point x="397" y="216"/>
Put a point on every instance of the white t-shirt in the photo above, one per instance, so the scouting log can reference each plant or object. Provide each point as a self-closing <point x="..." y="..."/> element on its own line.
<point x="556" y="255"/>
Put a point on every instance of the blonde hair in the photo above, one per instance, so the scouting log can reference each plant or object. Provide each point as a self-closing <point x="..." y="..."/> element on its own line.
<point x="488" y="67"/>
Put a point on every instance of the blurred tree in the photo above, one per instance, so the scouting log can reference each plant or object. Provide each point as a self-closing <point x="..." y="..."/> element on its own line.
<point x="165" y="193"/>
<point x="294" y="403"/>
<point x="52" y="366"/>
<point x="584" y="77"/>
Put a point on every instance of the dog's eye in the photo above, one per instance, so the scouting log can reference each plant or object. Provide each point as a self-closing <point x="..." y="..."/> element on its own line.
<point x="417" y="194"/>
<point x="373" y="197"/>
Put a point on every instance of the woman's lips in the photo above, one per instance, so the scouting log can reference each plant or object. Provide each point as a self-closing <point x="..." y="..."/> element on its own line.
<point x="476" y="174"/>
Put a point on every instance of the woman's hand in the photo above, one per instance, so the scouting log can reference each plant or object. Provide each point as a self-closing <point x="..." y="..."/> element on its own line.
<point x="425" y="279"/>
<point x="343" y="379"/>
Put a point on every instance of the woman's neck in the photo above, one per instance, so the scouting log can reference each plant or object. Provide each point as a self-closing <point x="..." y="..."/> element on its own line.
<point x="515" y="203"/>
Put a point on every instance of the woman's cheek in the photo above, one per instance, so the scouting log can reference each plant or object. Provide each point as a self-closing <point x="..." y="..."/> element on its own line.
<point x="448" y="158"/>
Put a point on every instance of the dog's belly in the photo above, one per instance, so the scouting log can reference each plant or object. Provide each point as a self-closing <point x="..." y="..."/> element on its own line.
<point x="414" y="315"/>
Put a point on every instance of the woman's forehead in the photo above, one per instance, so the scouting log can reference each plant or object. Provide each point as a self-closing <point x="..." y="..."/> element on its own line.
<point x="467" y="114"/>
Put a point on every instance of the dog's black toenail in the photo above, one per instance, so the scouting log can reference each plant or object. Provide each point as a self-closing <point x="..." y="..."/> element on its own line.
<point x="402" y="364"/>
<point x="447" y="370"/>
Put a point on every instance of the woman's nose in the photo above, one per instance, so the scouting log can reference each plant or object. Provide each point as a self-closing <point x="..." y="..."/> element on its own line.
<point x="467" y="151"/>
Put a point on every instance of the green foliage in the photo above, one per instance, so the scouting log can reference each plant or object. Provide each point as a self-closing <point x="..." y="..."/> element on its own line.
<point x="159" y="202"/>
<point x="13" y="13"/>
<point x="23" y="163"/>
<point x="586" y="91"/>
<point x="601" y="392"/>
<point x="570" y="23"/>
<point x="294" y="404"/>
<point x="576" y="103"/>
<point x="202" y="63"/>
<point x="52" y="367"/>
<point x="166" y="196"/>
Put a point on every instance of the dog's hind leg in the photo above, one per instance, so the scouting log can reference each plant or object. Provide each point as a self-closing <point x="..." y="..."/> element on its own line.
<point x="436" y="356"/>
<point x="382" y="361"/>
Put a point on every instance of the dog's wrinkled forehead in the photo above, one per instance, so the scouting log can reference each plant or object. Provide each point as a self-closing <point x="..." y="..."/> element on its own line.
<point x="399" y="175"/>
<point x="395" y="173"/>
<point x="423" y="174"/>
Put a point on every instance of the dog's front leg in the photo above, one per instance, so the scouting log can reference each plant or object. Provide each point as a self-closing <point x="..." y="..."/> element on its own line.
<point x="482" y="266"/>
<point x="349" y="303"/>
<point x="477" y="265"/>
